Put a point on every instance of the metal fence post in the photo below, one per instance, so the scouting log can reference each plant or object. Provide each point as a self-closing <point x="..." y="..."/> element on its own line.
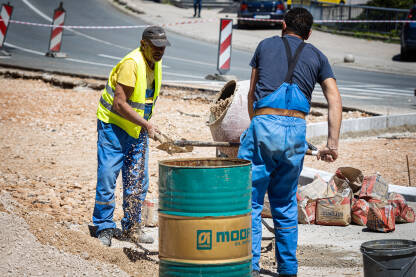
<point x="349" y="12"/>
<point x="395" y="24"/>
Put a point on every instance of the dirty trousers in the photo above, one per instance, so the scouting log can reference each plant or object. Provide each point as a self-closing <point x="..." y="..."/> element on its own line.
<point x="276" y="147"/>
<point x="117" y="150"/>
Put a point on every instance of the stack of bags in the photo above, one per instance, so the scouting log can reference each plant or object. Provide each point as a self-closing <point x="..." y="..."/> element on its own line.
<point x="349" y="196"/>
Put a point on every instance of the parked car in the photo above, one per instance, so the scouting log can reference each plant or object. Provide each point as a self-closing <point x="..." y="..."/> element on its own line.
<point x="408" y="37"/>
<point x="254" y="9"/>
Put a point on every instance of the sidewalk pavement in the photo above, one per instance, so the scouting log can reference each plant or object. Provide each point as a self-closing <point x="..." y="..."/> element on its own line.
<point x="369" y="54"/>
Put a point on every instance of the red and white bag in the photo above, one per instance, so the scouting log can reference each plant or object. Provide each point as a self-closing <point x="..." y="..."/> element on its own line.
<point x="306" y="211"/>
<point x="374" y="187"/>
<point x="359" y="212"/>
<point x="403" y="213"/>
<point x="381" y="217"/>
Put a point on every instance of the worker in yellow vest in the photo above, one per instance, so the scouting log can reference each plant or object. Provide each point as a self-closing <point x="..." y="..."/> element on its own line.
<point x="123" y="126"/>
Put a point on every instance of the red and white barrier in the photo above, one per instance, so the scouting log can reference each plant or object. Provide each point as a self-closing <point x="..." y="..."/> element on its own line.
<point x="5" y="15"/>
<point x="224" y="45"/>
<point x="55" y="41"/>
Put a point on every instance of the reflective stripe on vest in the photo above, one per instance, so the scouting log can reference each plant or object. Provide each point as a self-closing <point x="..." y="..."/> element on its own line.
<point x="132" y="104"/>
<point x="137" y="100"/>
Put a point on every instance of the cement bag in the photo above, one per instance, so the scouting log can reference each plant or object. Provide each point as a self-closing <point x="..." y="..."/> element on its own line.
<point x="381" y="217"/>
<point x="334" y="211"/>
<point x="353" y="176"/>
<point x="407" y="215"/>
<point x="359" y="212"/>
<point x="317" y="189"/>
<point x="150" y="212"/>
<point x="306" y="211"/>
<point x="374" y="187"/>
<point x="403" y="213"/>
<point x="340" y="184"/>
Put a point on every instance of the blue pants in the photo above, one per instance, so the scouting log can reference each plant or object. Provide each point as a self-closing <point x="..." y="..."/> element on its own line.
<point x="276" y="147"/>
<point x="117" y="150"/>
<point x="197" y="4"/>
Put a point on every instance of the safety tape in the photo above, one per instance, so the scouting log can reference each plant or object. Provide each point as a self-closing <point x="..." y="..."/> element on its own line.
<point x="109" y="27"/>
<point x="203" y="21"/>
<point x="333" y="20"/>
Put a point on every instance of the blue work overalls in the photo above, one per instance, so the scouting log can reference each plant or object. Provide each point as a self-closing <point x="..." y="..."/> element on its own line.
<point x="117" y="150"/>
<point x="276" y="146"/>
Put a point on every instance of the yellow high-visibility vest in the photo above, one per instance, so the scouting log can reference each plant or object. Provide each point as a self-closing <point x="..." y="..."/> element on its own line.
<point x="137" y="100"/>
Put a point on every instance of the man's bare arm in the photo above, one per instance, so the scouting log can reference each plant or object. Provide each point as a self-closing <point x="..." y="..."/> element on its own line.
<point x="120" y="105"/>
<point x="333" y="97"/>
<point x="250" y="96"/>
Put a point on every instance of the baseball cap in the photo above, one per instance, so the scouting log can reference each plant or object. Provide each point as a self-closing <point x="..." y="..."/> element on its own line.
<point x="156" y="35"/>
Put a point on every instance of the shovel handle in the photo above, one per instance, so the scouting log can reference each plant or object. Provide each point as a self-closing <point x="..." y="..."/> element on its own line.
<point x="205" y="143"/>
<point x="313" y="151"/>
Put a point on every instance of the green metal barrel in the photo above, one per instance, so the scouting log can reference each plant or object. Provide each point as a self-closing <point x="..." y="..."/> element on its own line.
<point x="205" y="217"/>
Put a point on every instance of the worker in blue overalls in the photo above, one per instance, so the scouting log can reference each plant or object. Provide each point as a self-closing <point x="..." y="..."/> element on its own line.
<point x="284" y="73"/>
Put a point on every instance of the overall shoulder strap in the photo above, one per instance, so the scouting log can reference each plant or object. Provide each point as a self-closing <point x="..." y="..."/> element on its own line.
<point x="288" y="52"/>
<point x="292" y="62"/>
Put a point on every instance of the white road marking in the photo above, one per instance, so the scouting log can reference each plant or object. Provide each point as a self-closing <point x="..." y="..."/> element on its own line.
<point x="183" y="75"/>
<point x="399" y="91"/>
<point x="195" y="82"/>
<point x="110" y="57"/>
<point x="119" y="58"/>
<point x="385" y="91"/>
<point x="36" y="10"/>
<point x="88" y="62"/>
<point x="189" y="61"/>
<point x="5" y="57"/>
<point x="40" y="13"/>
<point x="70" y="30"/>
<point x="25" y="49"/>
<point x="67" y="59"/>
<point x="204" y="63"/>
<point x="358" y="90"/>
<point x="349" y="96"/>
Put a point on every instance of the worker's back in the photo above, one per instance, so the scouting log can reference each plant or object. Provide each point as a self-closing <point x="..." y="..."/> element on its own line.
<point x="312" y="67"/>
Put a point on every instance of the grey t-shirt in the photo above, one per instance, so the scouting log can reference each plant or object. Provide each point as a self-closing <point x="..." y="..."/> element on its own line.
<point x="271" y="61"/>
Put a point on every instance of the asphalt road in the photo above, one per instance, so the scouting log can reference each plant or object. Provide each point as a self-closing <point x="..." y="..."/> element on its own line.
<point x="96" y="51"/>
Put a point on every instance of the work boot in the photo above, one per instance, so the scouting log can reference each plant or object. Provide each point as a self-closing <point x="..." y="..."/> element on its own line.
<point x="105" y="236"/>
<point x="255" y="273"/>
<point x="138" y="235"/>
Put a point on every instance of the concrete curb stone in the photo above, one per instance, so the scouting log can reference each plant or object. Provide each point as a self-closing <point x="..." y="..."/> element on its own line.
<point x="363" y="124"/>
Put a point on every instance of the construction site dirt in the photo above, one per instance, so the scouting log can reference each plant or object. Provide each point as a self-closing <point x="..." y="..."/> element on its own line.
<point x="48" y="176"/>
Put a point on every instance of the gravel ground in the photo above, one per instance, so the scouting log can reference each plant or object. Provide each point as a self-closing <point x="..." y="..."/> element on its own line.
<point x="48" y="171"/>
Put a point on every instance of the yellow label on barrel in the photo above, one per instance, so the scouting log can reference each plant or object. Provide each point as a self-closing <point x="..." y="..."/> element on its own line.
<point x="208" y="240"/>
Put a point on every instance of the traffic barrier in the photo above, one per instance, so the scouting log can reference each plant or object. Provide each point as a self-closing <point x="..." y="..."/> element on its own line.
<point x="55" y="41"/>
<point x="5" y="15"/>
<point x="224" y="45"/>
